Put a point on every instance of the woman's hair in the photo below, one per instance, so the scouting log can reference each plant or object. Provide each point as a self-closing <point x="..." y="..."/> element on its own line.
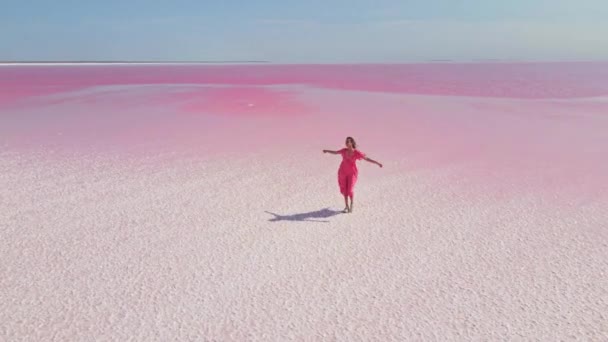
<point x="352" y="140"/>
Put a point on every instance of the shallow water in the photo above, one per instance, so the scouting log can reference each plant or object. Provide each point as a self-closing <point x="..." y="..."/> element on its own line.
<point x="545" y="122"/>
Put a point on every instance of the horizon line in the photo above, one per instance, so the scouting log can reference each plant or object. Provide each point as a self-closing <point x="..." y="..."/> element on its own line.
<point x="425" y="61"/>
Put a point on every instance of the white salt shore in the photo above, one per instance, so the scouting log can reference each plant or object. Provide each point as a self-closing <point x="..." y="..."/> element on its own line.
<point x="253" y="248"/>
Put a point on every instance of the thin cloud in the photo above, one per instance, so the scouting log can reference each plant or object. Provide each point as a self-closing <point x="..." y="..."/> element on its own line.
<point x="292" y="22"/>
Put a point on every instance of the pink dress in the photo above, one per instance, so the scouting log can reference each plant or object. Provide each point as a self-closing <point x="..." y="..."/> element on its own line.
<point x="348" y="172"/>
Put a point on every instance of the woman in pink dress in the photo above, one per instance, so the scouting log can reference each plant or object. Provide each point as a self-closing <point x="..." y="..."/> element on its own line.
<point x="348" y="172"/>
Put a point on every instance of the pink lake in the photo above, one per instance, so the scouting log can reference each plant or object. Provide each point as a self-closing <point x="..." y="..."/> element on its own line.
<point x="544" y="122"/>
<point x="192" y="202"/>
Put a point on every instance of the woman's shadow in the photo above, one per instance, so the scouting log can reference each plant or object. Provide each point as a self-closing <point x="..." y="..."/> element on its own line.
<point x="309" y="216"/>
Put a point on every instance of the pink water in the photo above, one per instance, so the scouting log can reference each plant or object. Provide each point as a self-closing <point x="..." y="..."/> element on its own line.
<point x="526" y="123"/>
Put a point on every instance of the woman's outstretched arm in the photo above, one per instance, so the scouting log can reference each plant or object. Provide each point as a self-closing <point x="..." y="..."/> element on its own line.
<point x="330" y="151"/>
<point x="372" y="161"/>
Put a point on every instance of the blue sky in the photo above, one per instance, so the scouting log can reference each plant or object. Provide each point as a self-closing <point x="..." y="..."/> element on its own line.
<point x="304" y="31"/>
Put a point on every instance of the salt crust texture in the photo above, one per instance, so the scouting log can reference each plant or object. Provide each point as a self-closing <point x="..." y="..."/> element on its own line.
<point x="238" y="248"/>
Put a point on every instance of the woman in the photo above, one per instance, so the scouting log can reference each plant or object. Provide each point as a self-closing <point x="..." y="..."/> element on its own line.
<point x="348" y="172"/>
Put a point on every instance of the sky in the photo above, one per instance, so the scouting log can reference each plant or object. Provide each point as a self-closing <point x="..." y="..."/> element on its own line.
<point x="312" y="31"/>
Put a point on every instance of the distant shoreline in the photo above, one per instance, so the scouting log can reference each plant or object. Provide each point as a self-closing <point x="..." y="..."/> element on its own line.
<point x="132" y="62"/>
<point x="431" y="61"/>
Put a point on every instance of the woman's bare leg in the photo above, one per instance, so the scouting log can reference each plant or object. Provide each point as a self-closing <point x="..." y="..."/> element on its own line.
<point x="350" y="208"/>
<point x="347" y="208"/>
